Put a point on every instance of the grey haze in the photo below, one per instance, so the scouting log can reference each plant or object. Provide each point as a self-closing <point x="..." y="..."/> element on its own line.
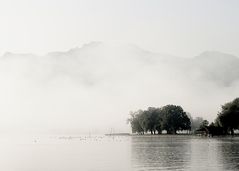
<point x="93" y="88"/>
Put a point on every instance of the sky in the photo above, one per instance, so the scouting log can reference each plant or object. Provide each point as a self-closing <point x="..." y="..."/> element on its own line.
<point x="131" y="54"/>
<point x="178" y="27"/>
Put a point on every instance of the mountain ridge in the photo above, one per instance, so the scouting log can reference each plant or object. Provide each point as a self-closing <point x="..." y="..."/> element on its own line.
<point x="97" y="60"/>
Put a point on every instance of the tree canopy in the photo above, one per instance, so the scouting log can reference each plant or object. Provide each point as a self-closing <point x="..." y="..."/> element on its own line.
<point x="171" y="118"/>
<point x="228" y="118"/>
<point x="174" y="119"/>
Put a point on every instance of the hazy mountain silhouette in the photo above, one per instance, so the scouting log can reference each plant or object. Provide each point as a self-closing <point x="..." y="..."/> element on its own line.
<point x="98" y="61"/>
<point x="74" y="86"/>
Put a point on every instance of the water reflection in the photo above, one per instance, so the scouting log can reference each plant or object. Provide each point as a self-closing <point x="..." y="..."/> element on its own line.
<point x="184" y="153"/>
<point x="205" y="154"/>
<point x="230" y="149"/>
<point x="101" y="153"/>
<point x="164" y="152"/>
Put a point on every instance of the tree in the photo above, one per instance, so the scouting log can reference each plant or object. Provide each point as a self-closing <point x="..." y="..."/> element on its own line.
<point x="215" y="129"/>
<point x="204" y="124"/>
<point x="147" y="120"/>
<point x="154" y="119"/>
<point x="195" y="123"/>
<point x="143" y="120"/>
<point x="174" y="119"/>
<point x="228" y="118"/>
<point x="170" y="118"/>
<point x="135" y="122"/>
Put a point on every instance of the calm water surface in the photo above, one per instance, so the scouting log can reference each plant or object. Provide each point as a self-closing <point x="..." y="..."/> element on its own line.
<point x="96" y="153"/>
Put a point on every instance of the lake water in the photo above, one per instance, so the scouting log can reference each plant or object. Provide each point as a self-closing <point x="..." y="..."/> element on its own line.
<point x="101" y="153"/>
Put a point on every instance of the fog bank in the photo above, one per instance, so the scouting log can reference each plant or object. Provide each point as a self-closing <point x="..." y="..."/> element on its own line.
<point x="93" y="88"/>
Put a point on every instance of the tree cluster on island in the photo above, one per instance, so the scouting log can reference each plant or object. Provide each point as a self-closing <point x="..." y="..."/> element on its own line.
<point x="172" y="119"/>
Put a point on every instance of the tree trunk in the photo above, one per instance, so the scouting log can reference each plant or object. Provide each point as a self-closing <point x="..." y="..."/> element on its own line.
<point x="232" y="131"/>
<point x="170" y="131"/>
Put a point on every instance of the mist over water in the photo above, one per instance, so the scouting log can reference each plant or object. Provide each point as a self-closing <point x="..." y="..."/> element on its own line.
<point x="91" y="89"/>
<point x="74" y="75"/>
<point x="119" y="153"/>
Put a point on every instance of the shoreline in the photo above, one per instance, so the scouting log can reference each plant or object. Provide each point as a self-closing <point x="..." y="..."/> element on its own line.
<point x="171" y="135"/>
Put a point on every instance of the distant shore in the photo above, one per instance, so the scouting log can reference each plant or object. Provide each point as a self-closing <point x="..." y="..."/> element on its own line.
<point x="169" y="135"/>
<point x="118" y="134"/>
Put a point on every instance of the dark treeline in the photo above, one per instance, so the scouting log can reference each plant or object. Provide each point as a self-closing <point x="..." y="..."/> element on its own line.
<point x="172" y="118"/>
